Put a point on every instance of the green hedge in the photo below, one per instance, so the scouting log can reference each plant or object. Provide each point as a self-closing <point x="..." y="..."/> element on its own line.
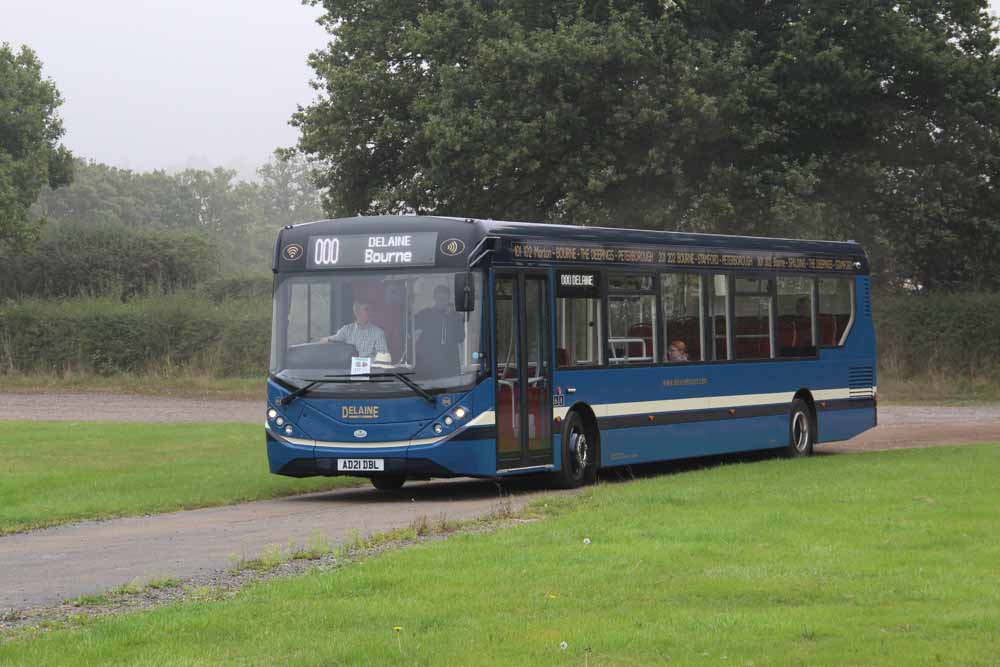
<point x="106" y="336"/>
<point x="215" y="332"/>
<point x="257" y="287"/>
<point x="947" y="333"/>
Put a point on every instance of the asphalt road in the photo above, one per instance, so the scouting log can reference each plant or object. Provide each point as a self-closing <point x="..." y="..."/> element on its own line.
<point x="48" y="566"/>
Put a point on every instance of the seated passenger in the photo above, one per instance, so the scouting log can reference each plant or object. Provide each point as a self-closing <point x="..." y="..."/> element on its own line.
<point x="366" y="338"/>
<point x="677" y="351"/>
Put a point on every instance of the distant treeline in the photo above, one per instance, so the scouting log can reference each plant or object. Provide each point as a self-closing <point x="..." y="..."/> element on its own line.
<point x="115" y="232"/>
<point x="223" y="329"/>
<point x="111" y="260"/>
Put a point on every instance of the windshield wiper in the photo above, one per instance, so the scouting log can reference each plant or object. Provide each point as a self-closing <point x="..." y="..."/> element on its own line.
<point x="371" y="377"/>
<point x="374" y="377"/>
<point x="411" y="384"/>
<point x="285" y="400"/>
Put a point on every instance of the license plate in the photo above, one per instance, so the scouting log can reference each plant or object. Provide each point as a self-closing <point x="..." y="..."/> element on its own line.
<point x="360" y="465"/>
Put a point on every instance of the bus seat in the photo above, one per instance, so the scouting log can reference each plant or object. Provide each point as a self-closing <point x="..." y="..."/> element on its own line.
<point x="787" y="331"/>
<point x="842" y="321"/>
<point x="642" y="330"/>
<point x="827" y="330"/>
<point x="562" y="357"/>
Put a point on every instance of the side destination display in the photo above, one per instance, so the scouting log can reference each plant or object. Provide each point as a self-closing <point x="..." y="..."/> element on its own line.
<point x="370" y="250"/>
<point x="577" y="284"/>
<point x="653" y="256"/>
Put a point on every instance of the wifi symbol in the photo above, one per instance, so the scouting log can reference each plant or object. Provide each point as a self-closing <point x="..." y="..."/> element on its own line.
<point x="452" y="247"/>
<point x="293" y="251"/>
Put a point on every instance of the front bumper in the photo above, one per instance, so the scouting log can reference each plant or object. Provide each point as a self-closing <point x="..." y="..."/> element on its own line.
<point x="470" y="452"/>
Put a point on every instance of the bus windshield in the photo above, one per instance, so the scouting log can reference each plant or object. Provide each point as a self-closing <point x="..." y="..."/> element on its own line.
<point x="385" y="322"/>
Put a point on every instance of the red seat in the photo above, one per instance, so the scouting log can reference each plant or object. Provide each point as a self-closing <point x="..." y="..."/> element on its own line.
<point x="642" y="330"/>
<point x="827" y="330"/>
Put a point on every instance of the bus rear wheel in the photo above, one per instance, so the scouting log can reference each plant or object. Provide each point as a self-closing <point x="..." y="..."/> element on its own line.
<point x="801" y="430"/>
<point x="579" y="452"/>
<point x="388" y="483"/>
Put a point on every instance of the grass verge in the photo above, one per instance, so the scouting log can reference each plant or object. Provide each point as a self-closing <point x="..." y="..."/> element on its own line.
<point x="931" y="388"/>
<point x="882" y="559"/>
<point x="937" y="389"/>
<point x="174" y="383"/>
<point x="57" y="472"/>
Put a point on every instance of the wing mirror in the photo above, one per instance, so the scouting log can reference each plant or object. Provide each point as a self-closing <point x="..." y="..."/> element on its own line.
<point x="465" y="292"/>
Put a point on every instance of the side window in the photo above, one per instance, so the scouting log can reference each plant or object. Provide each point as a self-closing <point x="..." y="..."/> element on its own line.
<point x="632" y="334"/>
<point x="680" y="294"/>
<point x="752" y="328"/>
<point x="836" y="307"/>
<point x="718" y="309"/>
<point x="578" y="323"/>
<point x="795" y="312"/>
<point x="309" y="312"/>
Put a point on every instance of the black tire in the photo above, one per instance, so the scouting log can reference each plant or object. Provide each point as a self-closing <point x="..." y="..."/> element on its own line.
<point x="801" y="430"/>
<point x="388" y="483"/>
<point x="579" y="454"/>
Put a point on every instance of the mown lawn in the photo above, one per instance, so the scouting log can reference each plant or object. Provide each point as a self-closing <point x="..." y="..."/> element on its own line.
<point x="177" y="383"/>
<point x="875" y="559"/>
<point x="56" y="472"/>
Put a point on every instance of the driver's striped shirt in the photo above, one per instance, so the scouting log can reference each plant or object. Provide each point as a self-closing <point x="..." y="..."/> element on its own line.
<point x="369" y="339"/>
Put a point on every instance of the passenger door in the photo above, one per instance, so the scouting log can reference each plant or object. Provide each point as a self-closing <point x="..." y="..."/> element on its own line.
<point x="523" y="370"/>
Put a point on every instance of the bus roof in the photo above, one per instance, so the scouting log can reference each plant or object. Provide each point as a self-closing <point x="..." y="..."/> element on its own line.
<point x="523" y="242"/>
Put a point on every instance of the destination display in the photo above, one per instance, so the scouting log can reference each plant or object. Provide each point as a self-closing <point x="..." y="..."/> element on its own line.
<point x="576" y="284"/>
<point x="371" y="250"/>
<point x="653" y="256"/>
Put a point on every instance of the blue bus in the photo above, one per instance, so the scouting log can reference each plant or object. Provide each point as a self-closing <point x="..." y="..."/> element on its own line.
<point x="412" y="347"/>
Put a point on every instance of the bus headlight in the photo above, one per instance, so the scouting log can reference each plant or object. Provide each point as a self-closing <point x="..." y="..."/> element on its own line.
<point x="460" y="413"/>
<point x="438" y="428"/>
<point x="448" y="421"/>
<point x="280" y="421"/>
<point x="289" y="430"/>
<point x="272" y="413"/>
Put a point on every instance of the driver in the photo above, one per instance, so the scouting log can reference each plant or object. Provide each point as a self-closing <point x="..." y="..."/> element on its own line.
<point x="366" y="338"/>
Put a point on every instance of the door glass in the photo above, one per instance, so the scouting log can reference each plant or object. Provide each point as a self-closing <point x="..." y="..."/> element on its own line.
<point x="536" y="319"/>
<point x="507" y="401"/>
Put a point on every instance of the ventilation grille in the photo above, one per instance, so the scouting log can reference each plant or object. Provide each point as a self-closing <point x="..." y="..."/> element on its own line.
<point x="860" y="380"/>
<point x="868" y="298"/>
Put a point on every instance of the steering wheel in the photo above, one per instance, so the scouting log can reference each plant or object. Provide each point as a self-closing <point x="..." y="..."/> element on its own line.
<point x="338" y="353"/>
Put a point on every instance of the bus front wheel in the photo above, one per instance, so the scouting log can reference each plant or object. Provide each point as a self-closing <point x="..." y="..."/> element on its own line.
<point x="801" y="430"/>
<point x="579" y="452"/>
<point x="389" y="483"/>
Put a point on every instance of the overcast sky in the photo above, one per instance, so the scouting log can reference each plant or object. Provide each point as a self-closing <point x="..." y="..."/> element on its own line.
<point x="173" y="83"/>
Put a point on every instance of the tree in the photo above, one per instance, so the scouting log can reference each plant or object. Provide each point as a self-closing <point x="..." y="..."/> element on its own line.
<point x="876" y="121"/>
<point x="287" y="192"/>
<point x="30" y="155"/>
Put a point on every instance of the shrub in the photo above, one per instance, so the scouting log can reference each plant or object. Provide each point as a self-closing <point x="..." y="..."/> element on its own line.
<point x="944" y="333"/>
<point x="105" y="336"/>
<point x="222" y="333"/>
<point x="238" y="287"/>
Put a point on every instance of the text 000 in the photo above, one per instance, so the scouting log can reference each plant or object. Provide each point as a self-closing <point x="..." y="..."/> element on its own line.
<point x="360" y="465"/>
<point x="326" y="251"/>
